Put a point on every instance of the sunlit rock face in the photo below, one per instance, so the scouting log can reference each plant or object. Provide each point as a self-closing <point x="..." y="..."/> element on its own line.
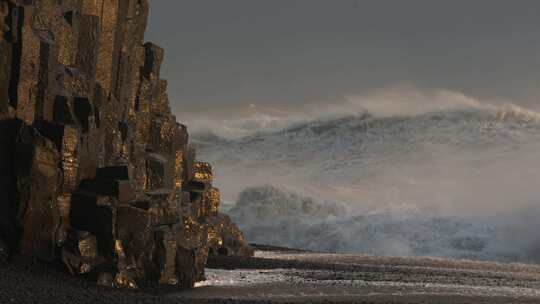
<point x="96" y="172"/>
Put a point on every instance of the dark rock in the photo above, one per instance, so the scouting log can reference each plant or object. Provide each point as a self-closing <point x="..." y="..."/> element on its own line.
<point x="80" y="253"/>
<point x="87" y="214"/>
<point x="119" y="189"/>
<point x="82" y="110"/>
<point x="38" y="181"/>
<point x="69" y="17"/>
<point x="165" y="255"/>
<point x="225" y="238"/>
<point x="4" y="251"/>
<point x="96" y="172"/>
<point x="105" y="279"/>
<point x="9" y="204"/>
<point x="114" y="173"/>
<point x="134" y="244"/>
<point x="62" y="113"/>
<point x="185" y="267"/>
<point x="155" y="172"/>
<point x="5" y="60"/>
<point x="87" y="54"/>
<point x="153" y="59"/>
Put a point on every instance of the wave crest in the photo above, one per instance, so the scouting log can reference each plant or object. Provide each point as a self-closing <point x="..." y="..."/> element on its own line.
<point x="390" y="102"/>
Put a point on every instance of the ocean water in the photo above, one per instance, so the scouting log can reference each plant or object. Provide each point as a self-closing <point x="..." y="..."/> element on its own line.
<point x="455" y="181"/>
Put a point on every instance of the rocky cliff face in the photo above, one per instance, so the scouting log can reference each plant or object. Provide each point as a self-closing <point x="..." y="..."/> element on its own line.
<point x="95" y="170"/>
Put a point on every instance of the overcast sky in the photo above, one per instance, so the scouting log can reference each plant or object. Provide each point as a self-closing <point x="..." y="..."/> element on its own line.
<point x="284" y="53"/>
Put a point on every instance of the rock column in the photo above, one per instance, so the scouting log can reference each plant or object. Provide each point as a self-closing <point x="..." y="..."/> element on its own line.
<point x="96" y="170"/>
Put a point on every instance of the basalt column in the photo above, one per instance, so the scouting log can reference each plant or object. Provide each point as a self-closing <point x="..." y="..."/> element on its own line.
<point x="96" y="172"/>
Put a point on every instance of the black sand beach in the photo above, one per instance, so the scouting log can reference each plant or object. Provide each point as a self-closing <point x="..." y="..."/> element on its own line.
<point x="295" y="276"/>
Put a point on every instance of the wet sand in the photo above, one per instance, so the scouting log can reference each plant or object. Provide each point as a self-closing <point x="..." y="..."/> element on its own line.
<point x="302" y="276"/>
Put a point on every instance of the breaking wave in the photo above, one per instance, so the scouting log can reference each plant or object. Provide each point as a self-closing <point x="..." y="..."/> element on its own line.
<point x="457" y="182"/>
<point x="271" y="216"/>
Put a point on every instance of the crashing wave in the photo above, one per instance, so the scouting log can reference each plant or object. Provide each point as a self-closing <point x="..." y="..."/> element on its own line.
<point x="266" y="202"/>
<point x="274" y="217"/>
<point x="474" y="168"/>
<point x="365" y="133"/>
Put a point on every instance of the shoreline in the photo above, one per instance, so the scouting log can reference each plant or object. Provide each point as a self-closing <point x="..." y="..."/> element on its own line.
<point x="293" y="276"/>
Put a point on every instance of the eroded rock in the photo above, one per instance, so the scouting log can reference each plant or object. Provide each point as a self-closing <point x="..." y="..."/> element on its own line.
<point x="96" y="172"/>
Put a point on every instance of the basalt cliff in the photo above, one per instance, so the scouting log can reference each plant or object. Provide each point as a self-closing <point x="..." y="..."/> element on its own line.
<point x="96" y="174"/>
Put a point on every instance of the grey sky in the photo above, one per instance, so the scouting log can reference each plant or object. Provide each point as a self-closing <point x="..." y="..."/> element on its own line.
<point x="289" y="52"/>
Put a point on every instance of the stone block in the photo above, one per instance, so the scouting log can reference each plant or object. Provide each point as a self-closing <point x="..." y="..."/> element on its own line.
<point x="156" y="172"/>
<point x="80" y="253"/>
<point x="202" y="173"/>
<point x="165" y="255"/>
<point x="62" y="112"/>
<point x="189" y="161"/>
<point x="159" y="212"/>
<point x="135" y="243"/>
<point x="178" y="175"/>
<point x="9" y="204"/>
<point x="82" y="108"/>
<point x="114" y="173"/>
<point x="38" y="182"/>
<point x="191" y="234"/>
<point x="186" y="271"/>
<point x="88" y="214"/>
<point x="153" y="59"/>
<point x="87" y="55"/>
<point x="6" y="49"/>
<point x="121" y="190"/>
<point x="225" y="238"/>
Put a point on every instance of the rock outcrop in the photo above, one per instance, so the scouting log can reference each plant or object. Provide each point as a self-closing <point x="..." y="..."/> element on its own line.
<point x="96" y="172"/>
